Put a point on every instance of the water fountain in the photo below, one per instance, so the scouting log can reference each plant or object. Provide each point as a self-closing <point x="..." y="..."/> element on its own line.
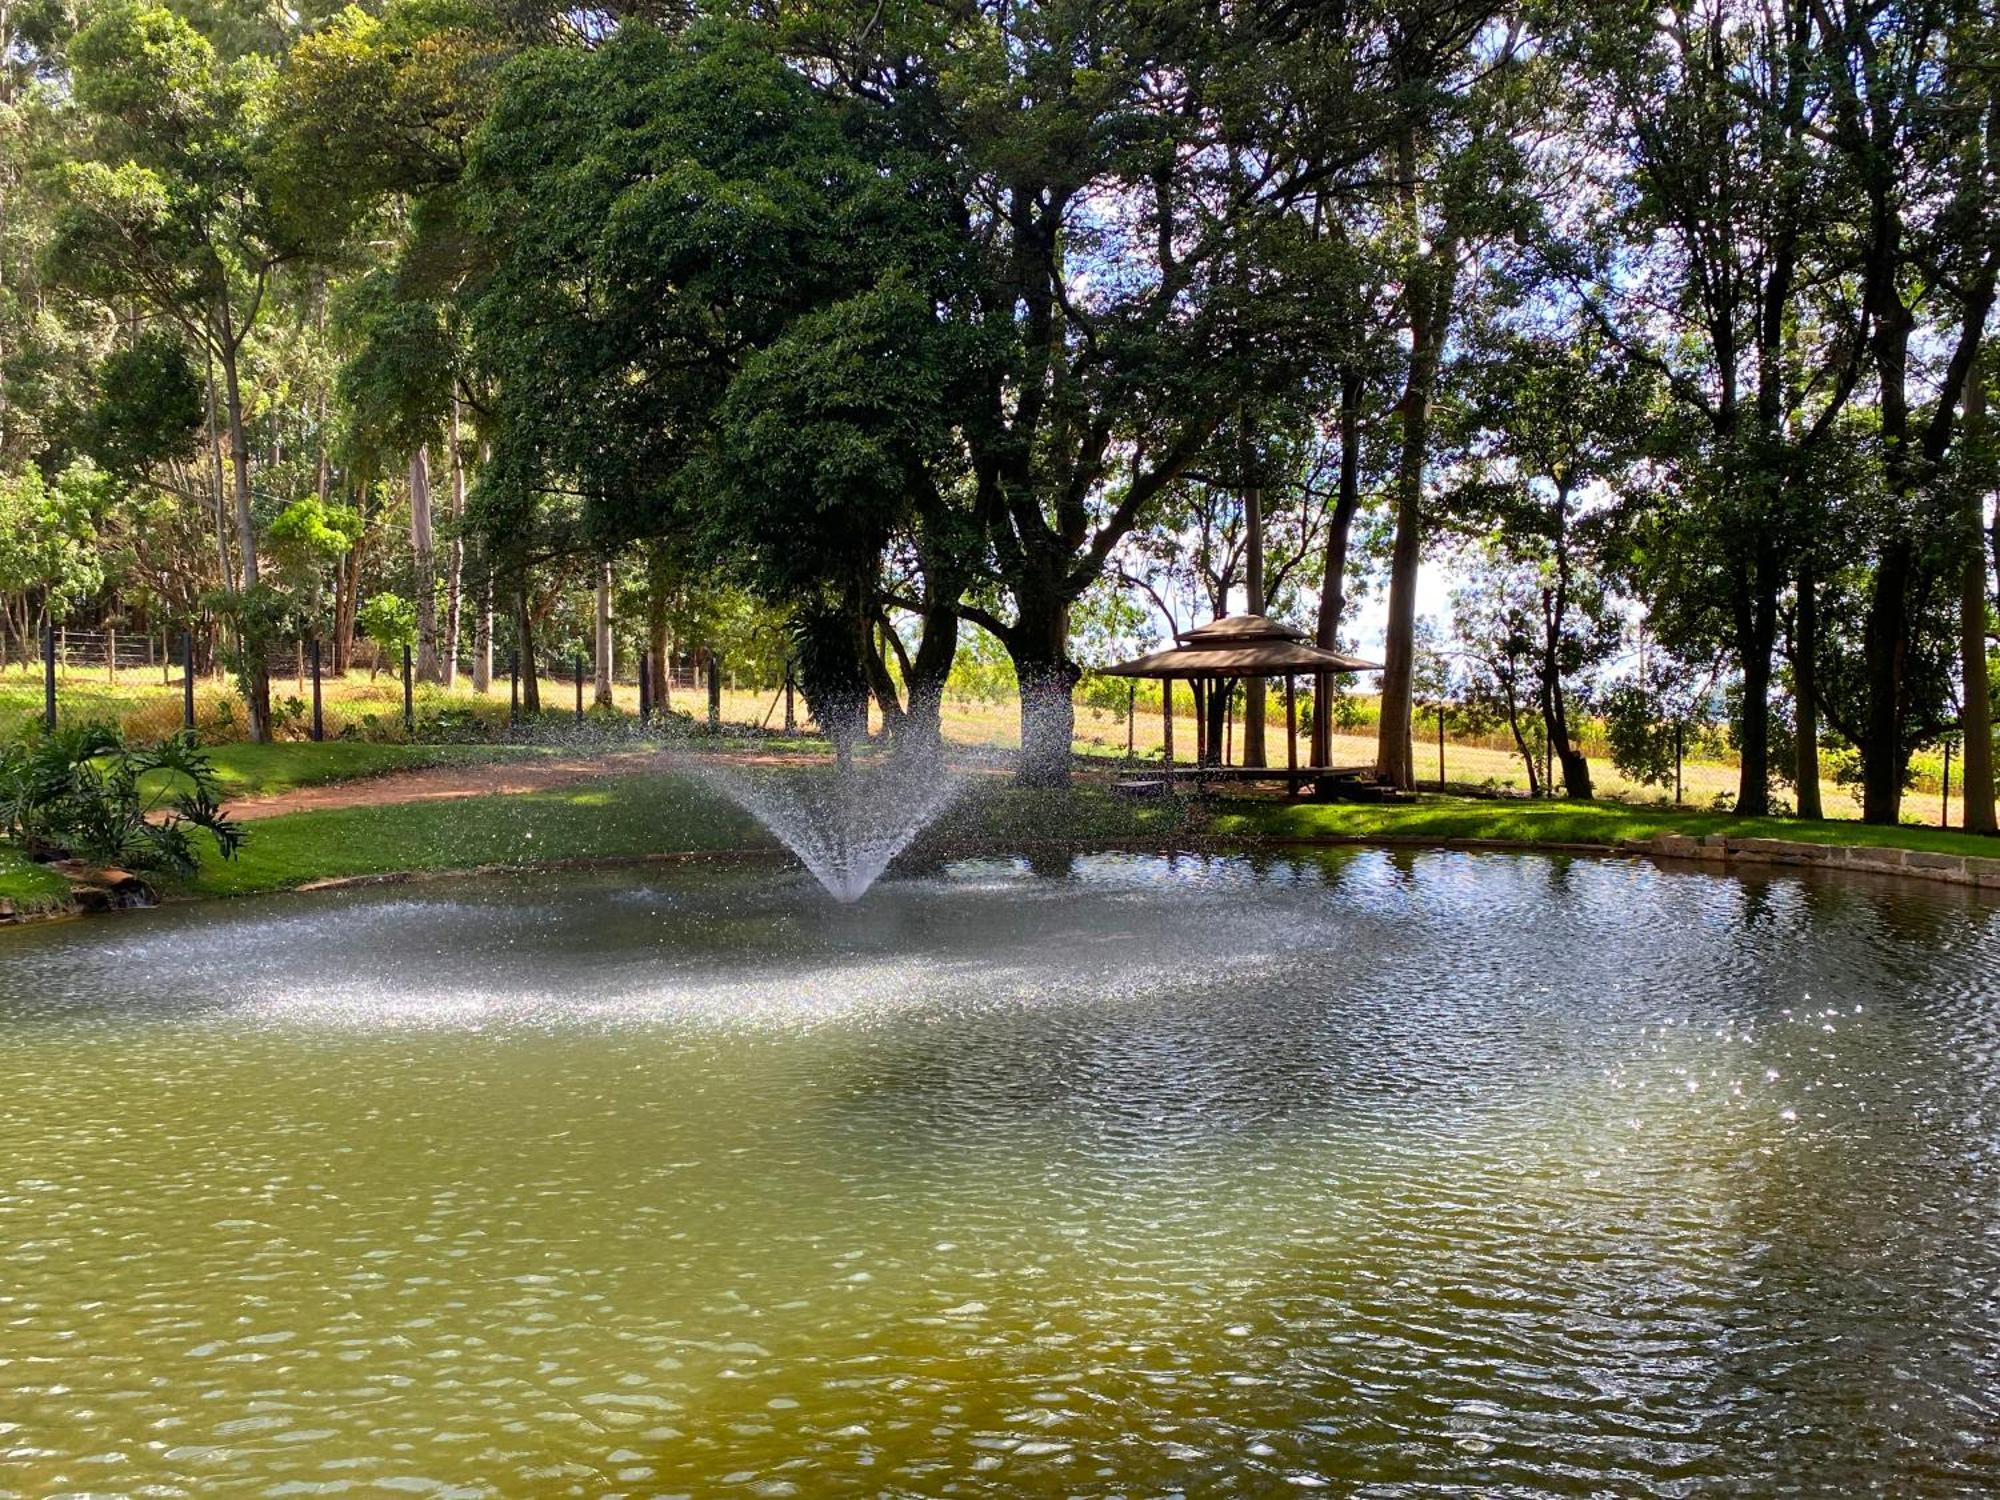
<point x="844" y="825"/>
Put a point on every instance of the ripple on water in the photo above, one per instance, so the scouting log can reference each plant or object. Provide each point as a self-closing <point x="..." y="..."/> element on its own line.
<point x="1396" y="1174"/>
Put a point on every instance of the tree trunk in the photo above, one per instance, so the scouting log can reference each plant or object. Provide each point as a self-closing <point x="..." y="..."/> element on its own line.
<point x="256" y="670"/>
<point x="226" y="569"/>
<point x="1885" y="644"/>
<point x="454" y="582"/>
<point x="346" y="602"/>
<point x="1217" y="703"/>
<point x="1393" y="749"/>
<point x="1333" y="582"/>
<point x="423" y="566"/>
<point x="1521" y="740"/>
<point x="1555" y="622"/>
<point x="1805" y="695"/>
<point x="1254" y="601"/>
<point x="1757" y="630"/>
<point x="659" y="679"/>
<point x="524" y="639"/>
<point x="482" y="636"/>
<point x="1976" y="721"/>
<point x="1555" y="723"/>
<point x="930" y="669"/>
<point x="1038" y="643"/>
<point x="881" y="682"/>
<point x="1433" y="282"/>
<point x="602" y="653"/>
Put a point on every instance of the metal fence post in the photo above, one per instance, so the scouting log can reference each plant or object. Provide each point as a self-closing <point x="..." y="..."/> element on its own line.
<point x="49" y="679"/>
<point x="187" y="680"/>
<point x="319" y="721"/>
<point x="578" y="667"/>
<point x="1944" y="800"/>
<point x="409" y="696"/>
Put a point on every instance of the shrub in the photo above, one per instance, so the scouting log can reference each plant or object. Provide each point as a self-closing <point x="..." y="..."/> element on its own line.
<point x="82" y="793"/>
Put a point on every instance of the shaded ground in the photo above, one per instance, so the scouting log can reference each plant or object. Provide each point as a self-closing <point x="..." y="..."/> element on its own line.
<point x="446" y="783"/>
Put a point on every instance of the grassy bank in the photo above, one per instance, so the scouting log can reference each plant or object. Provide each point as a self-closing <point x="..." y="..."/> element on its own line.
<point x="1446" y="818"/>
<point x="27" y="886"/>
<point x="637" y="816"/>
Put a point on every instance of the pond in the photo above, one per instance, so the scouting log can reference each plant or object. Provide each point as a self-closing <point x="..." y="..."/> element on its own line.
<point x="1383" y="1173"/>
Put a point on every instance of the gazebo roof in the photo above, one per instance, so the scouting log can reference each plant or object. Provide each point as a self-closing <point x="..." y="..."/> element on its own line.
<point x="1238" y="630"/>
<point x="1272" y="656"/>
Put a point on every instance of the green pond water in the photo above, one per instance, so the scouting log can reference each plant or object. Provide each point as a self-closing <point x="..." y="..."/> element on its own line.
<point x="1385" y="1175"/>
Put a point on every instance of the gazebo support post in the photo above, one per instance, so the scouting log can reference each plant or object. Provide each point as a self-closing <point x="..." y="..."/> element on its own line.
<point x="1292" y="727"/>
<point x="1200" y="726"/>
<point x="1167" y="728"/>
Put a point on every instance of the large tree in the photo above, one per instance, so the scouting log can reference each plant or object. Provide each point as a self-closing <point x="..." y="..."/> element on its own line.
<point x="172" y="209"/>
<point x="1715" y="245"/>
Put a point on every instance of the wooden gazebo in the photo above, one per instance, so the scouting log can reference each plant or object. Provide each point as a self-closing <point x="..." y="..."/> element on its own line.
<point x="1232" y="648"/>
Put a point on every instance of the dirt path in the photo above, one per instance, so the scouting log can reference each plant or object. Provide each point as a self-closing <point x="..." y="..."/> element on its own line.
<point x="490" y="778"/>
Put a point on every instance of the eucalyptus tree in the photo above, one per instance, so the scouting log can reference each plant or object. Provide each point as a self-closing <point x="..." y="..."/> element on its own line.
<point x="44" y="361"/>
<point x="375" y="118"/>
<point x="169" y="208"/>
<point x="398" y="389"/>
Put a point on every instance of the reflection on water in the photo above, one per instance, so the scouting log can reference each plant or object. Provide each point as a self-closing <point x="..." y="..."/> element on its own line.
<point x="1390" y="1175"/>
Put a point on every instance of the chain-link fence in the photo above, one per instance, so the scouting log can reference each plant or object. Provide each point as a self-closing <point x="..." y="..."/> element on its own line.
<point x="152" y="684"/>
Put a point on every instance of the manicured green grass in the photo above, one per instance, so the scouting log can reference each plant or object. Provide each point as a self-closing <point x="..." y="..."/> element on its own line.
<point x="1559" y="823"/>
<point x="621" y="817"/>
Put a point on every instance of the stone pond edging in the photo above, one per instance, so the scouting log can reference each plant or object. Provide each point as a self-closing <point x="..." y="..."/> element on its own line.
<point x="1872" y="859"/>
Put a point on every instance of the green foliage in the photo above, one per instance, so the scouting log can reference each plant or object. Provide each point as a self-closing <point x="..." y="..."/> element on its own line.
<point x="1649" y="721"/>
<point x="82" y="793"/>
<point x="310" y="533"/>
<point x="148" y="408"/>
<point x="389" y="620"/>
<point x="49" y="537"/>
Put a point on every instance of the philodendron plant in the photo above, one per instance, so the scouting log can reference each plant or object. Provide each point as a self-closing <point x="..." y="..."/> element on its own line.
<point x="81" y="792"/>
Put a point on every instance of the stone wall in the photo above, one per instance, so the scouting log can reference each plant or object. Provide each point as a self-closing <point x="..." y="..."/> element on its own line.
<point x="1918" y="864"/>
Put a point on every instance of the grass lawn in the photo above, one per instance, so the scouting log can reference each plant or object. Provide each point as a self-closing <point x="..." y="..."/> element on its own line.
<point x="619" y="817"/>
<point x="1560" y="823"/>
